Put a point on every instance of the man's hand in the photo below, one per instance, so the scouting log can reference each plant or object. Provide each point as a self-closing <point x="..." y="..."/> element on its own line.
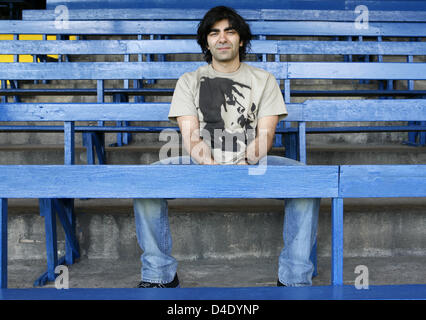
<point x="192" y="141"/>
<point x="264" y="140"/>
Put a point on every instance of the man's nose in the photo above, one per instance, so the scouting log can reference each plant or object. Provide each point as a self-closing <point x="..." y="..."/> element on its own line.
<point x="222" y="37"/>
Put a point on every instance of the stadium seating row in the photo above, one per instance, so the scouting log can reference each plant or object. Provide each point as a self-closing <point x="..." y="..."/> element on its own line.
<point x="336" y="182"/>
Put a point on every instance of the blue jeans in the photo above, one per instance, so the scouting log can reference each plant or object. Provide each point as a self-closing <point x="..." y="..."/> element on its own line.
<point x="299" y="233"/>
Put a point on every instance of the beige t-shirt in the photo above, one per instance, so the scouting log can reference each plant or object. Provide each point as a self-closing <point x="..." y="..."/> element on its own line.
<point x="228" y="106"/>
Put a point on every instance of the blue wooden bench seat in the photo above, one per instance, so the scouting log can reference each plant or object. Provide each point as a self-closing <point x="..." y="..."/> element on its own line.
<point x="346" y="292"/>
<point x="349" y="15"/>
<point x="120" y="181"/>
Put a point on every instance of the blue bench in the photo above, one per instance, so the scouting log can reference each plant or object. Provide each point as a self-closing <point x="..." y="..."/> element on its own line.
<point x="335" y="182"/>
<point x="46" y="178"/>
<point x="171" y="70"/>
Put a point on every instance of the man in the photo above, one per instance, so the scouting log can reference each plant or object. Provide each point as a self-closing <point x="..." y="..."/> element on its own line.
<point x="227" y="112"/>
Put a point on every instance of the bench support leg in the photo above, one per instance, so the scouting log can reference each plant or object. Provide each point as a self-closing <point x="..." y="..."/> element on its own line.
<point x="3" y="247"/>
<point x="125" y="137"/>
<point x="64" y="208"/>
<point x="65" y="211"/>
<point x="47" y="211"/>
<point x="291" y="147"/>
<point x="337" y="242"/>
<point x="91" y="141"/>
<point x="416" y="138"/>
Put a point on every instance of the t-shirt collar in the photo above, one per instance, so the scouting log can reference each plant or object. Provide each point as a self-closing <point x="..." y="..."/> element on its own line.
<point x="226" y="74"/>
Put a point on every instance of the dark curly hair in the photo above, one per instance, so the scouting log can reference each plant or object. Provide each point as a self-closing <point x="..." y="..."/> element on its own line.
<point x="235" y="21"/>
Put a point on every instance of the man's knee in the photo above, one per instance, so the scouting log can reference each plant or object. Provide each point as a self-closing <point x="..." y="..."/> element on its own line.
<point x="149" y="207"/>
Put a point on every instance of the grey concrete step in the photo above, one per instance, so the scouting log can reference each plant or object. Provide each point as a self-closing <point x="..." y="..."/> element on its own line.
<point x="152" y="139"/>
<point x="245" y="272"/>
<point x="329" y="154"/>
<point x="224" y="228"/>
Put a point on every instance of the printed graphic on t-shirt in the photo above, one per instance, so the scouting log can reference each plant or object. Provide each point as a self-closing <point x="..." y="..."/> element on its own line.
<point x="228" y="107"/>
<point x="225" y="108"/>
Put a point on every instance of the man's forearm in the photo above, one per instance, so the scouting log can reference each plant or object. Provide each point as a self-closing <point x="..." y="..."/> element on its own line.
<point x="260" y="146"/>
<point x="193" y="142"/>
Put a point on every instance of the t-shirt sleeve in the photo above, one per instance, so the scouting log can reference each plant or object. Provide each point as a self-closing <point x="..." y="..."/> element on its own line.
<point x="183" y="103"/>
<point x="272" y="101"/>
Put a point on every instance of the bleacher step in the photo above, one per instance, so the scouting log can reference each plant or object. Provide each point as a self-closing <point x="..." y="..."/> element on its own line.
<point x="224" y="228"/>
<point x="223" y="273"/>
<point x="321" y="154"/>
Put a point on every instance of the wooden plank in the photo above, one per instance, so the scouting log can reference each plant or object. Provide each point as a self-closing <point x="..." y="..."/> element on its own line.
<point x="342" y="15"/>
<point x="346" y="292"/>
<point x="191" y="46"/>
<point x="387" y="5"/>
<point x="247" y="14"/>
<point x="337" y="242"/>
<point x="353" y="47"/>
<point x="310" y="110"/>
<point x="167" y="181"/>
<point x="372" y="181"/>
<point x="95" y="71"/>
<point x="149" y="111"/>
<point x="364" y="110"/>
<point x="326" y="28"/>
<point x="133" y="14"/>
<point x="115" y="70"/>
<point x="84" y="111"/>
<point x="173" y="70"/>
<point x="132" y="27"/>
<point x="100" y="46"/>
<point x="355" y="70"/>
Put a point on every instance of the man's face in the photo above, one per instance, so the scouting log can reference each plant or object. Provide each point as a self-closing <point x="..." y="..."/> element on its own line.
<point x="224" y="42"/>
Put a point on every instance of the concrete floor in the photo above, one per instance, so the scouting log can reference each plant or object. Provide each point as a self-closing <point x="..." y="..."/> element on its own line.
<point x="248" y="272"/>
